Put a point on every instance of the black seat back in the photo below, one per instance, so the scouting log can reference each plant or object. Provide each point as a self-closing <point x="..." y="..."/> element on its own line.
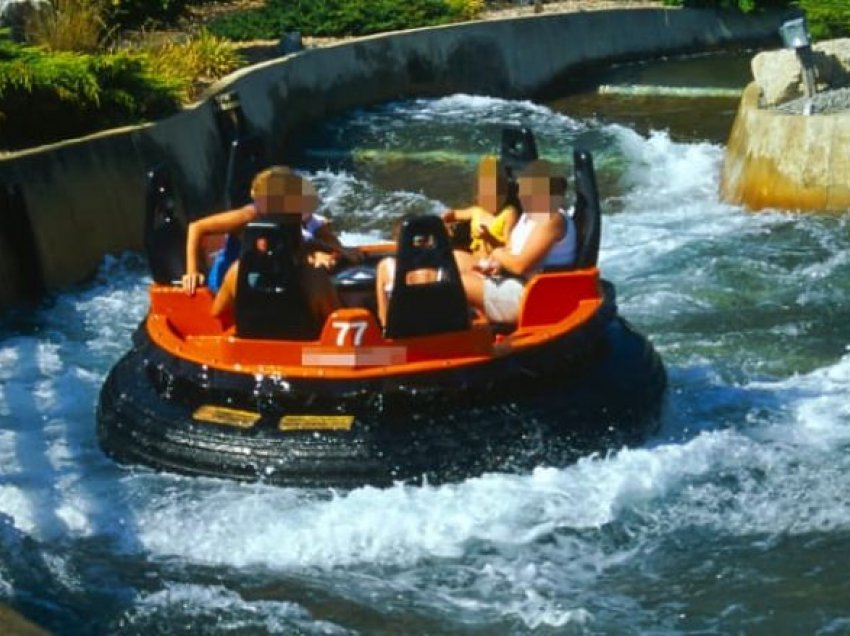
<point x="270" y="300"/>
<point x="426" y="308"/>
<point x="246" y="157"/>
<point x="587" y="215"/>
<point x="165" y="234"/>
<point x="519" y="148"/>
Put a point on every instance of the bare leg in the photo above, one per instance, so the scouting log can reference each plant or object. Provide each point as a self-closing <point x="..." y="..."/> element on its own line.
<point x="321" y="294"/>
<point x="465" y="261"/>
<point x="381" y="280"/>
<point x="473" y="285"/>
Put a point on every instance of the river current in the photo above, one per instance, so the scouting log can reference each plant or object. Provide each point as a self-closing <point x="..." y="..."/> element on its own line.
<point x="733" y="518"/>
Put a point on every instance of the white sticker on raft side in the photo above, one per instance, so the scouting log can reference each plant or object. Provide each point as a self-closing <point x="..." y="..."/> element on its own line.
<point x="359" y="357"/>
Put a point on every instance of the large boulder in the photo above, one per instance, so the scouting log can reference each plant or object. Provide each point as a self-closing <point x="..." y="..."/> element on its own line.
<point x="779" y="76"/>
<point x="832" y="61"/>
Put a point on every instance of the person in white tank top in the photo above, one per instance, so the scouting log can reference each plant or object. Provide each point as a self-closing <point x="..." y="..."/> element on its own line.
<point x="544" y="236"/>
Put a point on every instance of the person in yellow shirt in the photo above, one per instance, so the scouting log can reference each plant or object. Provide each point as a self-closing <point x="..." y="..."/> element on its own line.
<point x="492" y="217"/>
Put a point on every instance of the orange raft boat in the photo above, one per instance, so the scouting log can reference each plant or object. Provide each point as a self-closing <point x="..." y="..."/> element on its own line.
<point x="439" y="393"/>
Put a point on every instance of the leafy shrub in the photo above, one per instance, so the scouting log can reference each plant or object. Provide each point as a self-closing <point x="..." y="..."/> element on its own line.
<point x="192" y="63"/>
<point x="466" y="9"/>
<point x="341" y="17"/>
<point x="46" y="96"/>
<point x="67" y="25"/>
<point x="827" y="18"/>
<point x="746" y="6"/>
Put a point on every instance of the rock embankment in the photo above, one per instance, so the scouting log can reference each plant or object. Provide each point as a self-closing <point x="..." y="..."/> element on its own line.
<point x="824" y="103"/>
<point x="779" y="77"/>
<point x="788" y="150"/>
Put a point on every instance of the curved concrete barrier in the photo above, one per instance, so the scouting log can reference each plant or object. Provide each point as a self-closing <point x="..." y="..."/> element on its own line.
<point x="780" y="160"/>
<point x="85" y="198"/>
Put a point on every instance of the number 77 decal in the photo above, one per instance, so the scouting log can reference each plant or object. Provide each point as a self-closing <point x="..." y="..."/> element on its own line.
<point x="357" y="328"/>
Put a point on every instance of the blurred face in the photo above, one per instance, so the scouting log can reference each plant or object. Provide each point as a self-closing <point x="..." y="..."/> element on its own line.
<point x="488" y="192"/>
<point x="491" y="188"/>
<point x="534" y="195"/>
<point x="287" y="194"/>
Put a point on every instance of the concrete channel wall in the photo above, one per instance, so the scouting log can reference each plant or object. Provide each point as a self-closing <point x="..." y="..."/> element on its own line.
<point x="63" y="207"/>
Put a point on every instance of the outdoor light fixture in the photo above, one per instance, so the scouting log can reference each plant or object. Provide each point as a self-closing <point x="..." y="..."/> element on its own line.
<point x="794" y="33"/>
<point x="795" y="36"/>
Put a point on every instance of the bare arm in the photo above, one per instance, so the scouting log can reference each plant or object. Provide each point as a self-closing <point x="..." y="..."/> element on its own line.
<point x="222" y="222"/>
<point x="465" y="214"/>
<point x="381" y="290"/>
<point x="538" y="244"/>
<point x="325" y="234"/>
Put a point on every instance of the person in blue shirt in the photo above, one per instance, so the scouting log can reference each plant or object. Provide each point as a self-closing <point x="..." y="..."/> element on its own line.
<point x="315" y="228"/>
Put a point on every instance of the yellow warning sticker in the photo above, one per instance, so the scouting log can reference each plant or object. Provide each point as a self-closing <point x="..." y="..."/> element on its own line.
<point x="316" y="422"/>
<point x="226" y="416"/>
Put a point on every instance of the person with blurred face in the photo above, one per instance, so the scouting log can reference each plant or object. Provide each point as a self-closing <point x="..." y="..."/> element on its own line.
<point x="543" y="236"/>
<point x="268" y="195"/>
<point x="490" y="219"/>
<point x="276" y="190"/>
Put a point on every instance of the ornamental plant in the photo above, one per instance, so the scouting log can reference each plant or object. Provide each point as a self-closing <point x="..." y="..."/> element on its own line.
<point x="192" y="62"/>
<point x="67" y="25"/>
<point x="826" y="18"/>
<point x="46" y="96"/>
<point x="341" y="17"/>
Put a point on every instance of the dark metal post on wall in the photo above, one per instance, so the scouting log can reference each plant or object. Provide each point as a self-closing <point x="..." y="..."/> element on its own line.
<point x="229" y="117"/>
<point x="290" y="42"/>
<point x="795" y="35"/>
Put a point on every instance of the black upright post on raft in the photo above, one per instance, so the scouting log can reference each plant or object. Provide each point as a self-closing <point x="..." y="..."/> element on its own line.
<point x="519" y="148"/>
<point x="165" y="234"/>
